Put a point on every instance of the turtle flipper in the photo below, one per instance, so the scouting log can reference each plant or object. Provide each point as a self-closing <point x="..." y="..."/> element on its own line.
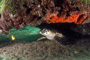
<point x="41" y="38"/>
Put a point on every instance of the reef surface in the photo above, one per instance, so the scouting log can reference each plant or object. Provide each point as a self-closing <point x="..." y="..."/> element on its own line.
<point x="20" y="13"/>
<point x="45" y="50"/>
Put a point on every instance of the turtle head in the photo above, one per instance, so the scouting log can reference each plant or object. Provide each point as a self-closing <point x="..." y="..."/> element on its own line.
<point x="45" y="32"/>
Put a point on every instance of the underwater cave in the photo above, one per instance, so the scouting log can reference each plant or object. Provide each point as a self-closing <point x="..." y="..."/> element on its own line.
<point x="44" y="30"/>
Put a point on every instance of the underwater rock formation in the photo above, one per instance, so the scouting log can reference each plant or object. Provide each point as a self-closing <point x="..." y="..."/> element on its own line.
<point x="47" y="50"/>
<point x="20" y="13"/>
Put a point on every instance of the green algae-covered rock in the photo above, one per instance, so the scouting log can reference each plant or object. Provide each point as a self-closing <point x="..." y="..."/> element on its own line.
<point x="12" y="5"/>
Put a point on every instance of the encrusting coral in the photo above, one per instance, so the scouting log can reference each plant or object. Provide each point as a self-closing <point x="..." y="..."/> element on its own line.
<point x="77" y="19"/>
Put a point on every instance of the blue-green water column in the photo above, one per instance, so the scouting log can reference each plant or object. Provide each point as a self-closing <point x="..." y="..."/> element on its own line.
<point x="27" y="33"/>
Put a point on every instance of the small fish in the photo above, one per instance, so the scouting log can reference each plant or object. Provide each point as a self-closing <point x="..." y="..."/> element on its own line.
<point x="13" y="38"/>
<point x="76" y="52"/>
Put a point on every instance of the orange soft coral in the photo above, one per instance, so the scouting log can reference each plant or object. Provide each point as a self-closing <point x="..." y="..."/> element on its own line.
<point x="77" y="18"/>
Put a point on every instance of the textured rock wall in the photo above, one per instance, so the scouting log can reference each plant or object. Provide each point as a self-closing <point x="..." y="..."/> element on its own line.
<point x="20" y="13"/>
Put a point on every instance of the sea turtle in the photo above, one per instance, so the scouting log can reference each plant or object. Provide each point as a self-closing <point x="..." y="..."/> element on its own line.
<point x="66" y="38"/>
<point x="51" y="35"/>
